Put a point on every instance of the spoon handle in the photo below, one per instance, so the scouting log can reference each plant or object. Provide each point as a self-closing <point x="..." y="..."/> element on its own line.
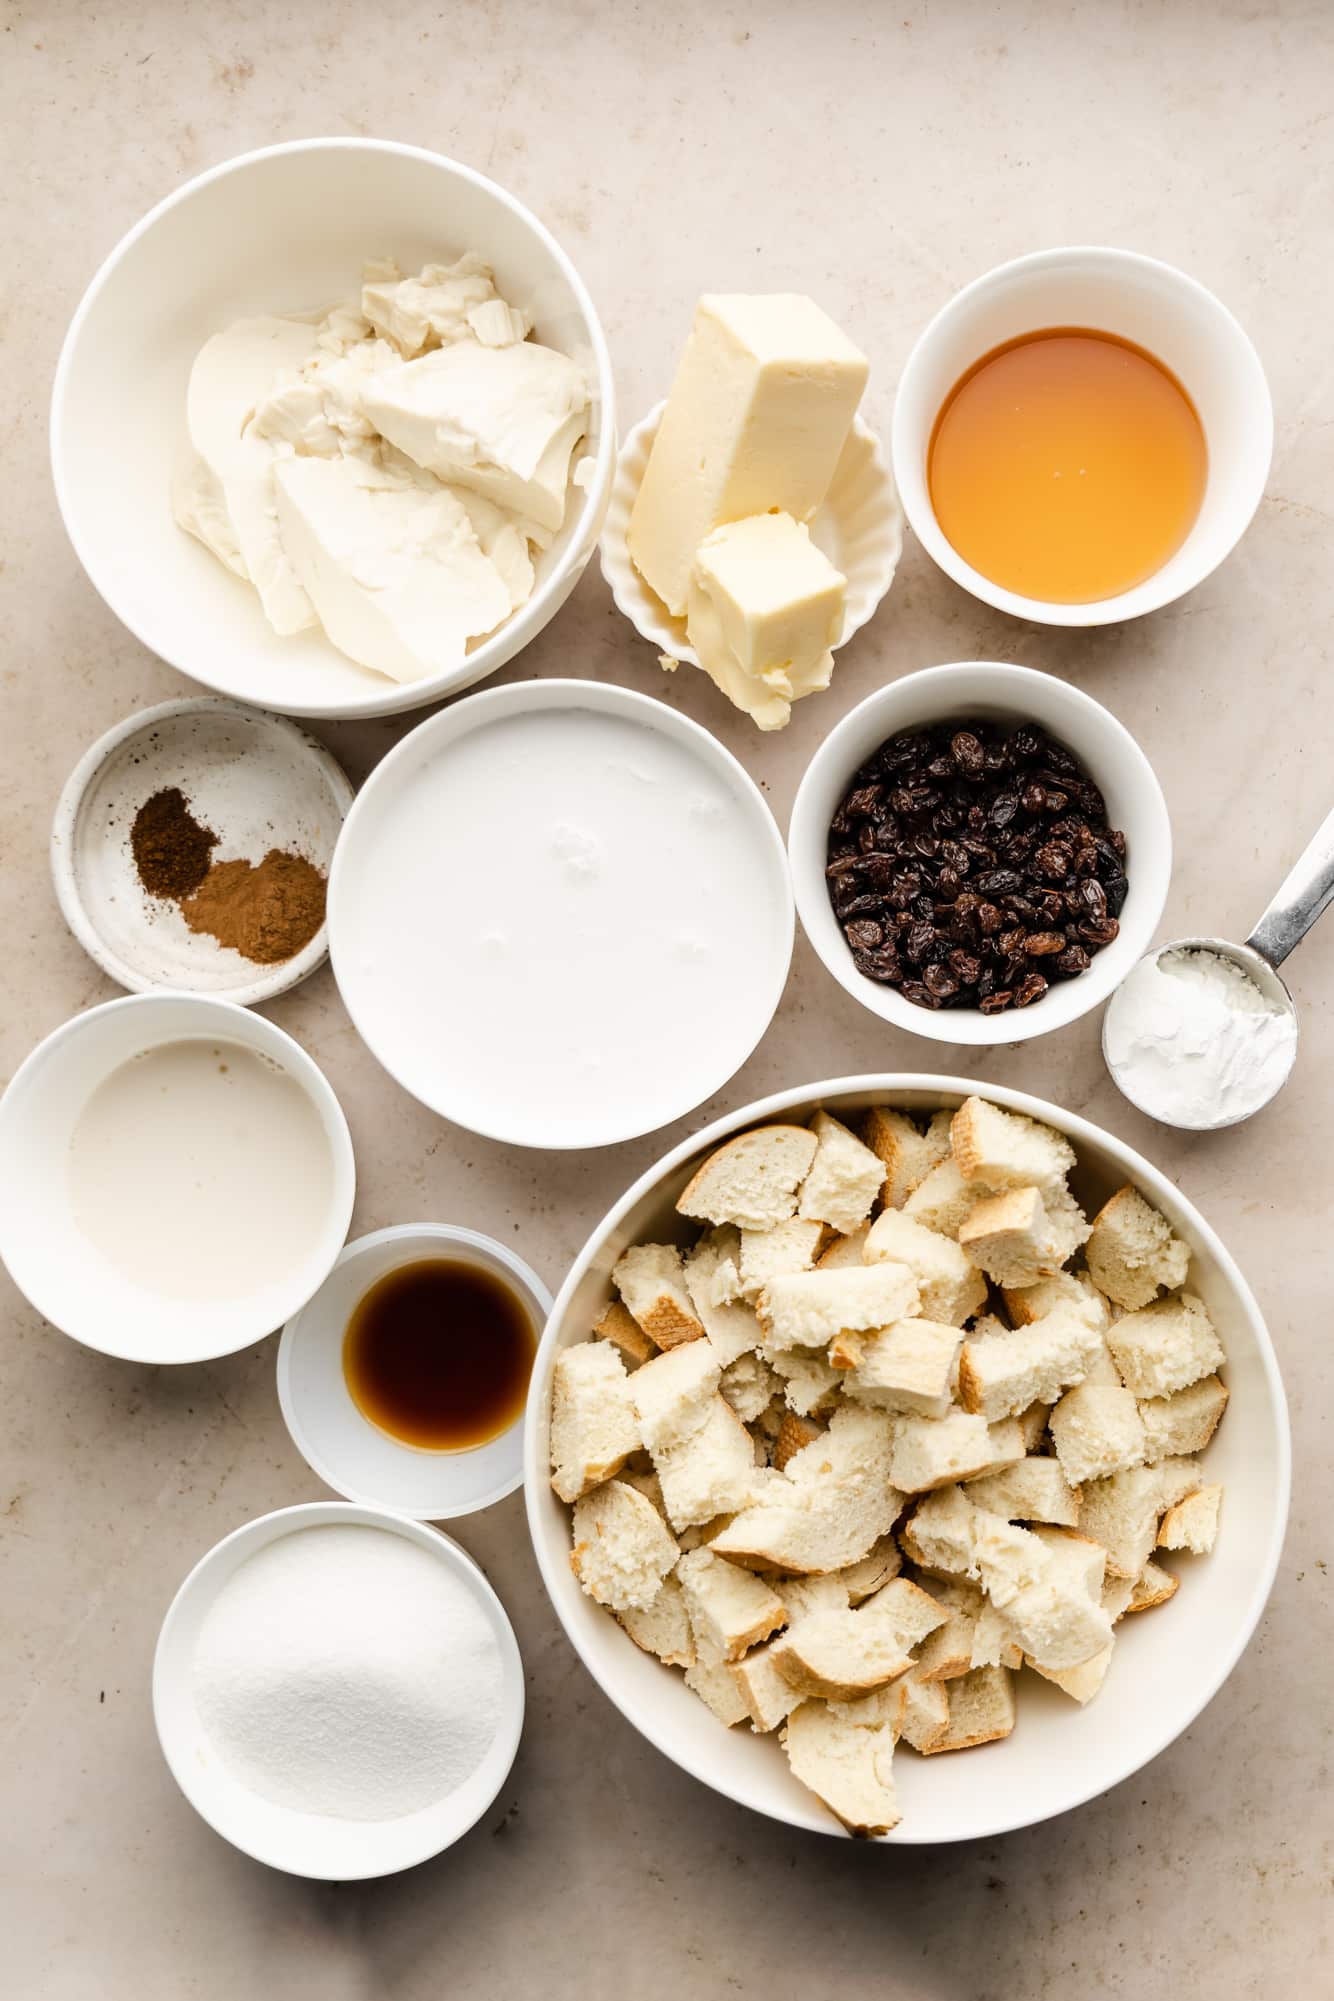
<point x="1305" y="893"/>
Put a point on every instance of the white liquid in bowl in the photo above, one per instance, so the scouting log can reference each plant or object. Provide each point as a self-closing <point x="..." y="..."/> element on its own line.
<point x="201" y="1170"/>
<point x="564" y="927"/>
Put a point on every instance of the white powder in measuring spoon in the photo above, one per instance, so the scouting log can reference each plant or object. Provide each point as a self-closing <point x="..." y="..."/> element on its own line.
<point x="344" y="1671"/>
<point x="1192" y="1040"/>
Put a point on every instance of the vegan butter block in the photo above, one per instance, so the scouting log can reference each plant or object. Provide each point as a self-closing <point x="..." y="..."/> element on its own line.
<point x="758" y="414"/>
<point x="765" y="609"/>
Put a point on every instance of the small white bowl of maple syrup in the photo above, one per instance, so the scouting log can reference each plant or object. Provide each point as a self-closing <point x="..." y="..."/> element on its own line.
<point x="403" y="1381"/>
<point x="1082" y="436"/>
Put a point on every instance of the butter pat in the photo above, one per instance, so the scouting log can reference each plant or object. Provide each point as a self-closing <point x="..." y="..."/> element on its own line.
<point x="765" y="609"/>
<point x="758" y="414"/>
<point x="500" y="420"/>
<point x="393" y="567"/>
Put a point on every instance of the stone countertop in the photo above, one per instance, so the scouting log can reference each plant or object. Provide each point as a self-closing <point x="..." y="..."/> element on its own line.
<point x="879" y="158"/>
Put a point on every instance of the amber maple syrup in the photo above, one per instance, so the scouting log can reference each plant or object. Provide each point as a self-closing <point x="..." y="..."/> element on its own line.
<point x="1068" y="465"/>
<point x="438" y="1354"/>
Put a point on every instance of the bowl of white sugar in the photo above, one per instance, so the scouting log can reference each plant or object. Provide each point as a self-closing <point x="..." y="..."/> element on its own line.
<point x="338" y="1691"/>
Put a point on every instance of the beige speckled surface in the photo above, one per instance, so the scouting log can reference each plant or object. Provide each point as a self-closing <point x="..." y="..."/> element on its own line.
<point x="878" y="157"/>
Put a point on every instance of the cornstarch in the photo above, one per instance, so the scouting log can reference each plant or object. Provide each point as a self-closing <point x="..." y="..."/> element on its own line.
<point x="343" y="1671"/>
<point x="1193" y="1039"/>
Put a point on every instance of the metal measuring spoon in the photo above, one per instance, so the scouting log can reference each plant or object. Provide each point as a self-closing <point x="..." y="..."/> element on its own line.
<point x="1305" y="893"/>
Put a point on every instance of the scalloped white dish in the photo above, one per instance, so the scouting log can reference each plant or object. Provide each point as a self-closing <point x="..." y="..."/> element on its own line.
<point x="858" y="525"/>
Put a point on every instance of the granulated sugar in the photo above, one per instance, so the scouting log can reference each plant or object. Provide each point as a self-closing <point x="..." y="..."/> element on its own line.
<point x="1191" y="1039"/>
<point x="344" y="1671"/>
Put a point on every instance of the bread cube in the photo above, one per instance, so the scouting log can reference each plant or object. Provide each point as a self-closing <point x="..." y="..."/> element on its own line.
<point x="839" y="1656"/>
<point x="716" y="1686"/>
<point x="951" y="1288"/>
<point x="1121" y="1512"/>
<point x="710" y="1472"/>
<point x="1034" y="1490"/>
<point x="768" y="1254"/>
<point x="1006" y="1149"/>
<point x="948" y="1651"/>
<point x="621" y="1547"/>
<point x="935" y="1452"/>
<point x="729" y="1609"/>
<point x="992" y="1643"/>
<point x="1059" y="1620"/>
<point x="713" y="1281"/>
<point x="1184" y="1422"/>
<point x="752" y="1180"/>
<point x="1097" y="1430"/>
<point x="1193" y="1523"/>
<point x="1165" y="1347"/>
<point x="908" y="1367"/>
<point x="810" y="1309"/>
<point x="847" y="1765"/>
<point x="844" y="1252"/>
<point x="1002" y="1374"/>
<point x="749" y="1385"/>
<point x="940" y="1533"/>
<point x="1133" y="1253"/>
<point x="981" y="1711"/>
<point x="844" y="1178"/>
<point x="593" y="1426"/>
<point x="671" y="1395"/>
<point x="1081" y="1683"/>
<point x="1007" y="1559"/>
<point x="662" y="1627"/>
<point x="876" y="1569"/>
<point x="920" y="1710"/>
<point x="794" y="1432"/>
<point x="768" y="1697"/>
<point x="809" y="1383"/>
<point x="943" y="1200"/>
<point x="1153" y="1586"/>
<point x="651" y="1280"/>
<point x="1016" y="1240"/>
<point x="1027" y="1303"/>
<point x="908" y="1153"/>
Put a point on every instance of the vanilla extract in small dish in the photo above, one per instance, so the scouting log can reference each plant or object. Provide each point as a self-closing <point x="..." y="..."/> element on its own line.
<point x="438" y="1354"/>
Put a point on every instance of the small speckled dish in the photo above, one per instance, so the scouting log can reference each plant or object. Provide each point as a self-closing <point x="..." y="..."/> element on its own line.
<point x="858" y="525"/>
<point x="256" y="780"/>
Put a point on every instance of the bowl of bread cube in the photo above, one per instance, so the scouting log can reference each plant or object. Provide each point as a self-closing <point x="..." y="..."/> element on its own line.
<point x="898" y="1417"/>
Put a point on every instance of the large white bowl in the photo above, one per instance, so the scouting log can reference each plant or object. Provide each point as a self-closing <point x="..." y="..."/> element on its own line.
<point x="55" y="1266"/>
<point x="1168" y="1664"/>
<point x="285" y="230"/>
<point x="313" y="1844"/>
<point x="1143" y="301"/>
<point x="994" y="689"/>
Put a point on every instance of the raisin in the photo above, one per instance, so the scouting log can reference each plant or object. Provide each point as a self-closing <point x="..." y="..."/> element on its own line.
<point x="920" y="940"/>
<point x="939" y="982"/>
<point x="865" y="933"/>
<point x="1041" y="944"/>
<point x="1032" y="988"/>
<point x="1074" y="959"/>
<point x="995" y="1003"/>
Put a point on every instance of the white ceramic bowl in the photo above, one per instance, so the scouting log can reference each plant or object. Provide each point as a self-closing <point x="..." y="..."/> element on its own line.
<point x="285" y="230"/>
<point x="55" y="1265"/>
<point x="337" y="1441"/>
<point x="858" y="525"/>
<point x="1167" y="1664"/>
<point x="994" y="689"/>
<point x="309" y="1844"/>
<point x="629" y="935"/>
<point x="1156" y="307"/>
<point x="257" y="781"/>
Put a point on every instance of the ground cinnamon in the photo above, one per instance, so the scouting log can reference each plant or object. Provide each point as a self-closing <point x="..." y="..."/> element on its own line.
<point x="266" y="911"/>
<point x="171" y="850"/>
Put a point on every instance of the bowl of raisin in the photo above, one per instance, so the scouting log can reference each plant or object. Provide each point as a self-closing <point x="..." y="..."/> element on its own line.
<point x="980" y="853"/>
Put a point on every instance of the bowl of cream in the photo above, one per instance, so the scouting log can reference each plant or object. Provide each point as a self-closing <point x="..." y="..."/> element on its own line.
<point x="176" y="1178"/>
<point x="332" y="429"/>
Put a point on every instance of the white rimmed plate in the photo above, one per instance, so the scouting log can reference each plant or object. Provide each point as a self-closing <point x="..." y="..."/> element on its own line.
<point x="560" y="914"/>
<point x="858" y="525"/>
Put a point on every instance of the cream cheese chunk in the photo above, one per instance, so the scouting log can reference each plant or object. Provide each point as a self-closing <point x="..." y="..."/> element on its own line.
<point x="764" y="611"/>
<point x="226" y="497"/>
<point x="758" y="414"/>
<point x="394" y="569"/>
<point x="501" y="420"/>
<point x="438" y="306"/>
